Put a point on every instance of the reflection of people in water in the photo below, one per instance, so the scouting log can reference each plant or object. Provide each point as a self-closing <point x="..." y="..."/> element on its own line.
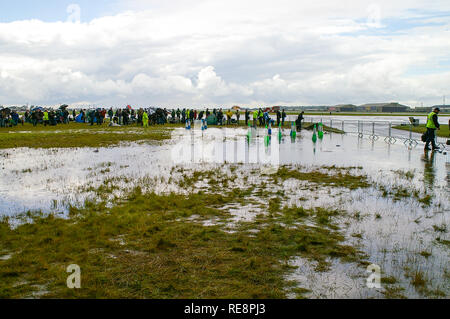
<point x="429" y="173"/>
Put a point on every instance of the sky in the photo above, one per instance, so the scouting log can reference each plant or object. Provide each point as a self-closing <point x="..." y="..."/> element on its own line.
<point x="223" y="53"/>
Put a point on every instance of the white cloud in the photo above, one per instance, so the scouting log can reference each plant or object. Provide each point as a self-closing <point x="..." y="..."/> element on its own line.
<point x="229" y="52"/>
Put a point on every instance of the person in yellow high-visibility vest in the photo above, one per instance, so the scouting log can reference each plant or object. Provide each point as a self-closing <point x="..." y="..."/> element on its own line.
<point x="45" y="118"/>
<point x="229" y="116"/>
<point x="255" y="117"/>
<point x="145" y="119"/>
<point x="432" y="126"/>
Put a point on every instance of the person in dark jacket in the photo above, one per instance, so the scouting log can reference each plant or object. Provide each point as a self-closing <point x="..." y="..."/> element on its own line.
<point x="432" y="126"/>
<point x="220" y="117"/>
<point x="110" y="114"/>
<point x="298" y="121"/>
<point x="278" y="117"/>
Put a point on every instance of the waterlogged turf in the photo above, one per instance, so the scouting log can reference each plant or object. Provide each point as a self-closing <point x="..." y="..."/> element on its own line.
<point x="146" y="246"/>
<point x="77" y="135"/>
<point x="84" y="135"/>
<point x="442" y="132"/>
<point x="149" y="220"/>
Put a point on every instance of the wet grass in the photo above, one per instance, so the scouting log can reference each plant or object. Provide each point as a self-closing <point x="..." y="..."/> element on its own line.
<point x="342" y="178"/>
<point x="418" y="279"/>
<point x="398" y="193"/>
<point x="78" y="135"/>
<point x="388" y="280"/>
<point x="84" y="135"/>
<point x="442" y="132"/>
<point x="310" y="126"/>
<point x="394" y="293"/>
<point x="408" y="175"/>
<point x="440" y="228"/>
<point x="146" y="245"/>
<point x="162" y="257"/>
<point x="426" y="200"/>
<point x="78" y="126"/>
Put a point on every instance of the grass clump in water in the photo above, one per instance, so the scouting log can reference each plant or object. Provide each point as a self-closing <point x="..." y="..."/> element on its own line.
<point x="341" y="179"/>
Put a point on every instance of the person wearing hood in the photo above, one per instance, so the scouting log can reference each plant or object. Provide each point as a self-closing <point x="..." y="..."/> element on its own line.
<point x="145" y="119"/>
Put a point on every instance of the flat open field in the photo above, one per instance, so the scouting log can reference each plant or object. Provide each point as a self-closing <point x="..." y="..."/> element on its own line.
<point x="85" y="135"/>
<point x="168" y="213"/>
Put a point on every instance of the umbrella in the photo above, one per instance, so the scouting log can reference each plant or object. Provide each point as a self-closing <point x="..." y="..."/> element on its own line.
<point x="38" y="108"/>
<point x="129" y="107"/>
<point x="62" y="107"/>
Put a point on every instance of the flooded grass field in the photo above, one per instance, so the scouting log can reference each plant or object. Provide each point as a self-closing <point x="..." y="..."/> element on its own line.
<point x="218" y="214"/>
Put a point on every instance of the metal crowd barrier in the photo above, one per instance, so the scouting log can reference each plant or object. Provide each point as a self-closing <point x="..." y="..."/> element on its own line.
<point x="374" y="130"/>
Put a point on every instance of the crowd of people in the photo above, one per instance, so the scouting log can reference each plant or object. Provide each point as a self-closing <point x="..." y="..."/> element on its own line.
<point x="229" y="117"/>
<point x="52" y="117"/>
<point x="9" y="118"/>
<point x="142" y="116"/>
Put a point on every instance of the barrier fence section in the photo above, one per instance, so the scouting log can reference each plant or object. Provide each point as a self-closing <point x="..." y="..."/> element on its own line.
<point x="378" y="129"/>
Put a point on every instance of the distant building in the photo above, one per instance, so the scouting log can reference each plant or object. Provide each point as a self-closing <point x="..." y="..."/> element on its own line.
<point x="344" y="108"/>
<point x="384" y="107"/>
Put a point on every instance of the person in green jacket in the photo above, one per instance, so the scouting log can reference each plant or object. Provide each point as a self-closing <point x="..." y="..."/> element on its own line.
<point x="145" y="119"/>
<point x="255" y="117"/>
<point x="45" y="118"/>
<point x="261" y="117"/>
<point x="432" y="126"/>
